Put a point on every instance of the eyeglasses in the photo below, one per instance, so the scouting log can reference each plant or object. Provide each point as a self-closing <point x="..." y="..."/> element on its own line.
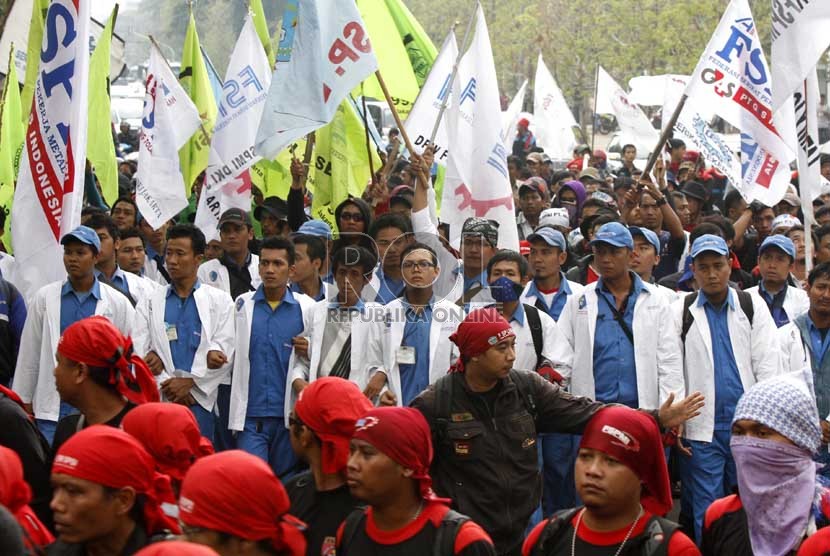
<point x="353" y="216"/>
<point x="422" y="265"/>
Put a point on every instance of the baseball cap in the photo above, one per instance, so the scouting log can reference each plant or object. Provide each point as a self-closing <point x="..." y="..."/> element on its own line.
<point x="785" y="221"/>
<point x="535" y="157"/>
<point x="533" y="185"/>
<point x="316" y="228"/>
<point x="591" y="173"/>
<point x="783" y="243"/>
<point x="274" y="206"/>
<point x="791" y="197"/>
<point x="709" y="243"/>
<point x="524" y="122"/>
<point x="236" y="216"/>
<point x="84" y="234"/>
<point x="402" y="194"/>
<point x="614" y="234"/>
<point x="555" y="217"/>
<point x="649" y="236"/>
<point x="552" y="237"/>
<point x="524" y="248"/>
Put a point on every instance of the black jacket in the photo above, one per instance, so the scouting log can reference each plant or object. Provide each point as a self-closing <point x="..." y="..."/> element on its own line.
<point x="579" y="272"/>
<point x="486" y="460"/>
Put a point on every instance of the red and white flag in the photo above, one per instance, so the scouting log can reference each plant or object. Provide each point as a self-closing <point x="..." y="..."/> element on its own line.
<point x="50" y="185"/>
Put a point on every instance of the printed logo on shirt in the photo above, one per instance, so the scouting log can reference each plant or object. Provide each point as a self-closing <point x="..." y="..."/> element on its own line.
<point x="329" y="547"/>
<point x="239" y="303"/>
<point x="462" y="448"/>
<point x="582" y="302"/>
<point x="213" y="275"/>
<point x="186" y="504"/>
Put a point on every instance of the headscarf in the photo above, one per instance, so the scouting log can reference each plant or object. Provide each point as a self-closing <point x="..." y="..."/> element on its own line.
<point x="15" y="494"/>
<point x="176" y="548"/>
<point x="237" y="493"/>
<point x="479" y="331"/>
<point x="13" y="396"/>
<point x="402" y="433"/>
<point x="574" y="212"/>
<point x="488" y="229"/>
<point x="96" y="342"/>
<point x="112" y="458"/>
<point x="330" y="406"/>
<point x="633" y="438"/>
<point x="170" y="433"/>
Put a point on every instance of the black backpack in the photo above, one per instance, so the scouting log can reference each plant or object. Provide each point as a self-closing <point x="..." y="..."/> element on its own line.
<point x="658" y="532"/>
<point x="534" y="322"/>
<point x="444" y="538"/>
<point x="744" y="299"/>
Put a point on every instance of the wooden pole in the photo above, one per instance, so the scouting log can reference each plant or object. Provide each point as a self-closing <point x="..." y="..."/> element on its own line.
<point x="594" y="117"/>
<point x="368" y="141"/>
<point x="664" y="136"/>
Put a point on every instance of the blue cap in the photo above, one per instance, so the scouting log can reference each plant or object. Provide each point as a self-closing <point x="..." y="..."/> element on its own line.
<point x="552" y="237"/>
<point x="84" y="234"/>
<point x="315" y="228"/>
<point x="614" y="234"/>
<point x="709" y="242"/>
<point x="780" y="241"/>
<point x="648" y="235"/>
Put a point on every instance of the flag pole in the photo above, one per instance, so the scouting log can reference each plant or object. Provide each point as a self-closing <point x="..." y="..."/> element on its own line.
<point x="395" y="115"/>
<point x="453" y="75"/>
<point x="368" y="141"/>
<point x="6" y="86"/>
<point x="664" y="136"/>
<point x="594" y="117"/>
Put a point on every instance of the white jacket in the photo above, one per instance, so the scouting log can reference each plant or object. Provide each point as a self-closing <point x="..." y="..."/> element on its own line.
<point x="215" y="309"/>
<point x="386" y="336"/>
<point x="214" y="273"/>
<point x="33" y="377"/>
<point x="756" y="350"/>
<point x="796" y="300"/>
<point x="241" y="376"/>
<point x="526" y="351"/>
<point x="656" y="346"/>
<point x="152" y="272"/>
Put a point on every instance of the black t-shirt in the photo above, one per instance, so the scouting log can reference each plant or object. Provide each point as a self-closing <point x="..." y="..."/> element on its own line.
<point x="69" y="426"/>
<point x="323" y="512"/>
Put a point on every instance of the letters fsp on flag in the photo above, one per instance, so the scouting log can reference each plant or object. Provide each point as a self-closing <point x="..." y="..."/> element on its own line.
<point x="170" y="118"/>
<point x="732" y="77"/>
<point x="49" y="194"/>
<point x="330" y="55"/>
<point x="227" y="182"/>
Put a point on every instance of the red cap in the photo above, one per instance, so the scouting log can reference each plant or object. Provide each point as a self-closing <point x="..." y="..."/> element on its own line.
<point x="176" y="548"/>
<point x="691" y="156"/>
<point x="170" y="433"/>
<point x="237" y="493"/>
<point x="599" y="153"/>
<point x="524" y="122"/>
<point x="478" y="332"/>
<point x="112" y="458"/>
<point x="96" y="342"/>
<point x="633" y="438"/>
<point x="402" y="433"/>
<point x="330" y="406"/>
<point x="524" y="247"/>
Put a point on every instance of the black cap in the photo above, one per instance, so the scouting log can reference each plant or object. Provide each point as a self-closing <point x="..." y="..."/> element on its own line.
<point x="235" y="215"/>
<point x="275" y="206"/>
<point x="694" y="190"/>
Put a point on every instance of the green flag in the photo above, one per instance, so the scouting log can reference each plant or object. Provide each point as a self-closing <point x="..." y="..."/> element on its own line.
<point x="39" y="9"/>
<point x="100" y="149"/>
<point x="196" y="82"/>
<point x="261" y="25"/>
<point x="340" y="166"/>
<point x="12" y="136"/>
<point x="405" y="53"/>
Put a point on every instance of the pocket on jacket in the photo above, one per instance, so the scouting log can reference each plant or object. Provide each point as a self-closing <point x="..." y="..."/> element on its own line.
<point x="466" y="440"/>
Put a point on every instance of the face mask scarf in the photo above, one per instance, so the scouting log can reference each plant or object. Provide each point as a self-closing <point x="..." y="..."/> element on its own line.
<point x="505" y="290"/>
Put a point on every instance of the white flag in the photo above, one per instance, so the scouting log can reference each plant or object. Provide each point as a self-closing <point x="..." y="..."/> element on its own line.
<point x="554" y="119"/>
<point x="510" y="117"/>
<point x="476" y="182"/>
<point x="421" y="120"/>
<point x="170" y="118"/>
<point x="805" y="102"/>
<point x="227" y="181"/>
<point x="330" y="55"/>
<point x="50" y="187"/>
<point x="633" y="122"/>
<point x="732" y="78"/>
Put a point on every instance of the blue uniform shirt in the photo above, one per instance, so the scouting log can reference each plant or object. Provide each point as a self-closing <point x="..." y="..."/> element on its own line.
<point x="728" y="385"/>
<point x="818" y="343"/>
<point x="389" y="287"/>
<point x="415" y="378"/>
<point x="615" y="371"/>
<point x="295" y="287"/>
<point x="272" y="331"/>
<point x="558" y="301"/>
<point x="118" y="280"/>
<point x="78" y="305"/>
<point x="181" y="320"/>
<point x="776" y="304"/>
<point x="470" y="282"/>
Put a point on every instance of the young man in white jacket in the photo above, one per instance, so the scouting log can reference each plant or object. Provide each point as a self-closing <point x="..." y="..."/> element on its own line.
<point x="729" y="342"/>
<point x="269" y="324"/>
<point x="52" y="309"/>
<point x="776" y="257"/>
<point x="186" y="332"/>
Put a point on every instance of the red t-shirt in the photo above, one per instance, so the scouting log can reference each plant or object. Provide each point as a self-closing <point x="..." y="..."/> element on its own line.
<point x="817" y="545"/>
<point x="591" y="277"/>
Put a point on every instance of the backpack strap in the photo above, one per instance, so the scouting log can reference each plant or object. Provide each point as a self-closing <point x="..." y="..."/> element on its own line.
<point x="522" y="380"/>
<point x="534" y="321"/>
<point x="443" y="406"/>
<point x="447" y="533"/>
<point x="658" y="534"/>
<point x="353" y="523"/>
<point x="688" y="320"/>
<point x="556" y="525"/>
<point x="745" y="299"/>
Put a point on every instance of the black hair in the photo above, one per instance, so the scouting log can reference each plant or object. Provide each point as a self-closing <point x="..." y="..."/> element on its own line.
<point x="314" y="246"/>
<point x="821" y="211"/>
<point x="137" y="511"/>
<point x="628" y="146"/>
<point x="623" y="182"/>
<point x="727" y="229"/>
<point x="560" y="176"/>
<point x="129" y="201"/>
<point x="819" y="271"/>
<point x="89" y="211"/>
<point x="131" y="233"/>
<point x="705" y="228"/>
<point x="507" y="255"/>
<point x="354" y="255"/>
<point x="263" y="545"/>
<point x="822" y="231"/>
<point x="416" y="246"/>
<point x="390" y="220"/>
<point x="594" y="202"/>
<point x="732" y="198"/>
<point x="274" y="242"/>
<point x="197" y="238"/>
<point x="758" y="207"/>
<point x="673" y="144"/>
<point x="400" y="166"/>
<point x="104" y="221"/>
<point x="598" y="219"/>
<point x="674" y="196"/>
<point x="824" y="159"/>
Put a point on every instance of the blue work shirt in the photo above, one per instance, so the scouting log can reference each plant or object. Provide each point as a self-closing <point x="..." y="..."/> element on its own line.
<point x="775" y="302"/>
<point x="118" y="280"/>
<point x="295" y="287"/>
<point x="181" y="320"/>
<point x="615" y="370"/>
<point x="78" y="305"/>
<point x="389" y="287"/>
<point x="728" y="385"/>
<point x="154" y="255"/>
<point x="415" y="378"/>
<point x="470" y="282"/>
<point x="272" y="332"/>
<point x="558" y="301"/>
<point x="818" y="343"/>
